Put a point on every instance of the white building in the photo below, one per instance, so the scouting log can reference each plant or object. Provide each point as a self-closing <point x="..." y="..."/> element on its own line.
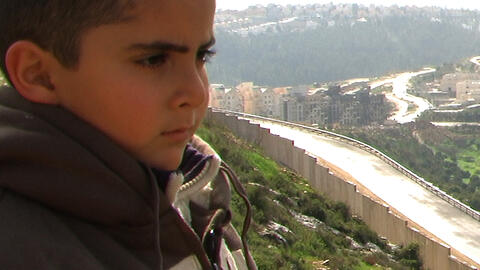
<point x="217" y="94"/>
<point x="233" y="100"/>
<point x="270" y="104"/>
<point x="228" y="99"/>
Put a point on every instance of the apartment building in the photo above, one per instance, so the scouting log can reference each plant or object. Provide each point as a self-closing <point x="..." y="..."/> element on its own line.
<point x="468" y="90"/>
<point x="226" y="98"/>
<point x="316" y="105"/>
<point x="293" y="109"/>
<point x="448" y="83"/>
<point x="270" y="102"/>
<point x="217" y="94"/>
<point x="251" y="97"/>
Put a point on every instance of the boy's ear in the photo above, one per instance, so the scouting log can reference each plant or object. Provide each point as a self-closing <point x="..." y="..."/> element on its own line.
<point x="29" y="68"/>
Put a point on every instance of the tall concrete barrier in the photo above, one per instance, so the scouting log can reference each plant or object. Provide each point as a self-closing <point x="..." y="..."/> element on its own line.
<point x="264" y="141"/>
<point x="367" y="213"/>
<point x="279" y="143"/>
<point x="435" y="255"/>
<point x="272" y="151"/>
<point x="216" y="117"/>
<point x="213" y="116"/>
<point x="414" y="236"/>
<point x="456" y="264"/>
<point x="380" y="215"/>
<point x="396" y="229"/>
<point x="285" y="153"/>
<point x="298" y="154"/>
<point x="309" y="164"/>
<point x="330" y="186"/>
<point x="357" y="206"/>
<point x="232" y="122"/>
<point x="339" y="187"/>
<point x="289" y="155"/>
<point x="351" y="191"/>
<point x="438" y="253"/>
<point x="321" y="174"/>
<point x="242" y="129"/>
<point x="251" y="131"/>
<point x="256" y="134"/>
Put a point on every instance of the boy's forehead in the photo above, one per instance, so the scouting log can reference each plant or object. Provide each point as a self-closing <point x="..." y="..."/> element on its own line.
<point x="178" y="15"/>
<point x="160" y="25"/>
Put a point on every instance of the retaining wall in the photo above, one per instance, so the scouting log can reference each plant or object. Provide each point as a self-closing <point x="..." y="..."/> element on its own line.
<point x="375" y="214"/>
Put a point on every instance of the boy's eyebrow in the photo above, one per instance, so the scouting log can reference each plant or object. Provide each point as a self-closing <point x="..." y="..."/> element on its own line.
<point x="168" y="46"/>
<point x="159" y="46"/>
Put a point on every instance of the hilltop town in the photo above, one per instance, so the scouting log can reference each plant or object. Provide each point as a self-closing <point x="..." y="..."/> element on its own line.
<point x="276" y="18"/>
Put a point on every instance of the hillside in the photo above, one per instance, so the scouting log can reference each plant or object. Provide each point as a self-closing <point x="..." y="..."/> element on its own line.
<point x="295" y="228"/>
<point x="297" y="45"/>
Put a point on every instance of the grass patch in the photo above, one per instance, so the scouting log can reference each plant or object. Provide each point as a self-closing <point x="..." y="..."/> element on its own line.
<point x="365" y="266"/>
<point x="469" y="160"/>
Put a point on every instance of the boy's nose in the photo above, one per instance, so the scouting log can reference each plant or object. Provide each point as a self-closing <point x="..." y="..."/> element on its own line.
<point x="192" y="88"/>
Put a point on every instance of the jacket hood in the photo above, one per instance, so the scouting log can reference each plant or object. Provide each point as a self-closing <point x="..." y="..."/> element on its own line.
<point x="50" y="155"/>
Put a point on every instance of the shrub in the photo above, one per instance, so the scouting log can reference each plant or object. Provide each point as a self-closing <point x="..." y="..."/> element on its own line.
<point x="409" y="256"/>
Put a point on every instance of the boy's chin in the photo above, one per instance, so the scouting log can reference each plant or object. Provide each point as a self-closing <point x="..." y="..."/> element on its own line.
<point x="169" y="164"/>
<point x="172" y="165"/>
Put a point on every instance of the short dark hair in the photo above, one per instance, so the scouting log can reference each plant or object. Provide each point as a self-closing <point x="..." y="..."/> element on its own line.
<point x="56" y="25"/>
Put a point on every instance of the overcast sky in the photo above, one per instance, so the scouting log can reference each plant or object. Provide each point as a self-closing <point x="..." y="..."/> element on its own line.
<point x="242" y="4"/>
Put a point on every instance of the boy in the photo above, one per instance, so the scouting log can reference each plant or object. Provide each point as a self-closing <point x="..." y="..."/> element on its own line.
<point x="99" y="165"/>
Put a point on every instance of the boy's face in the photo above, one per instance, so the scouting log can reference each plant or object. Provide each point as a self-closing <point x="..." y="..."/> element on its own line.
<point x="143" y="82"/>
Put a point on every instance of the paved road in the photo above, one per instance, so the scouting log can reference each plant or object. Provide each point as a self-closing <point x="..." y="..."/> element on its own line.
<point x="475" y="60"/>
<point x="402" y="99"/>
<point x="454" y="227"/>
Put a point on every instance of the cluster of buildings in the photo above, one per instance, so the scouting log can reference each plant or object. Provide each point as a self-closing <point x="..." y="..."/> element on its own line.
<point x="463" y="86"/>
<point x="352" y="105"/>
<point x="454" y="88"/>
<point x="260" y="19"/>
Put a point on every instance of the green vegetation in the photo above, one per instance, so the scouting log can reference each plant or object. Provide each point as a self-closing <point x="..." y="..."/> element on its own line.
<point x="382" y="90"/>
<point x="468" y="115"/>
<point x="2" y="79"/>
<point x="294" y="227"/>
<point x="409" y="256"/>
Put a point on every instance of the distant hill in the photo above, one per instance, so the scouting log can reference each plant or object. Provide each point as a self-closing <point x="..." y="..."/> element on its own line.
<point x="297" y="45"/>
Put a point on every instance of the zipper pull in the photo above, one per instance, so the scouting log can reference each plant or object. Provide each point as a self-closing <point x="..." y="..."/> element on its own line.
<point x="212" y="244"/>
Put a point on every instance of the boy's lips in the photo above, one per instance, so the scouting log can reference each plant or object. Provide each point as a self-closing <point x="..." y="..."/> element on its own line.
<point x="178" y="134"/>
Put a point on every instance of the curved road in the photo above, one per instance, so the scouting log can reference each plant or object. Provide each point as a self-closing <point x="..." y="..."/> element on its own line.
<point x="402" y="99"/>
<point x="475" y="60"/>
<point x="449" y="224"/>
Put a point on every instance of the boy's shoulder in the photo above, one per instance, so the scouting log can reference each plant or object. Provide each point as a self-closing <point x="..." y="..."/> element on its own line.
<point x="36" y="237"/>
<point x="32" y="237"/>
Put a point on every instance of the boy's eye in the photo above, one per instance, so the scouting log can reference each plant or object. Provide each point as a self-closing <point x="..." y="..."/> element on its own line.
<point x="205" y="55"/>
<point x="153" y="60"/>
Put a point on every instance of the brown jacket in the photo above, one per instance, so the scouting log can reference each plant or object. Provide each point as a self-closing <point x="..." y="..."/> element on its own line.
<point x="70" y="198"/>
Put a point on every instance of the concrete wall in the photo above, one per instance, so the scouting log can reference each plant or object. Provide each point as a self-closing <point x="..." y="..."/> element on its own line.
<point x="375" y="214"/>
<point x="435" y="190"/>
